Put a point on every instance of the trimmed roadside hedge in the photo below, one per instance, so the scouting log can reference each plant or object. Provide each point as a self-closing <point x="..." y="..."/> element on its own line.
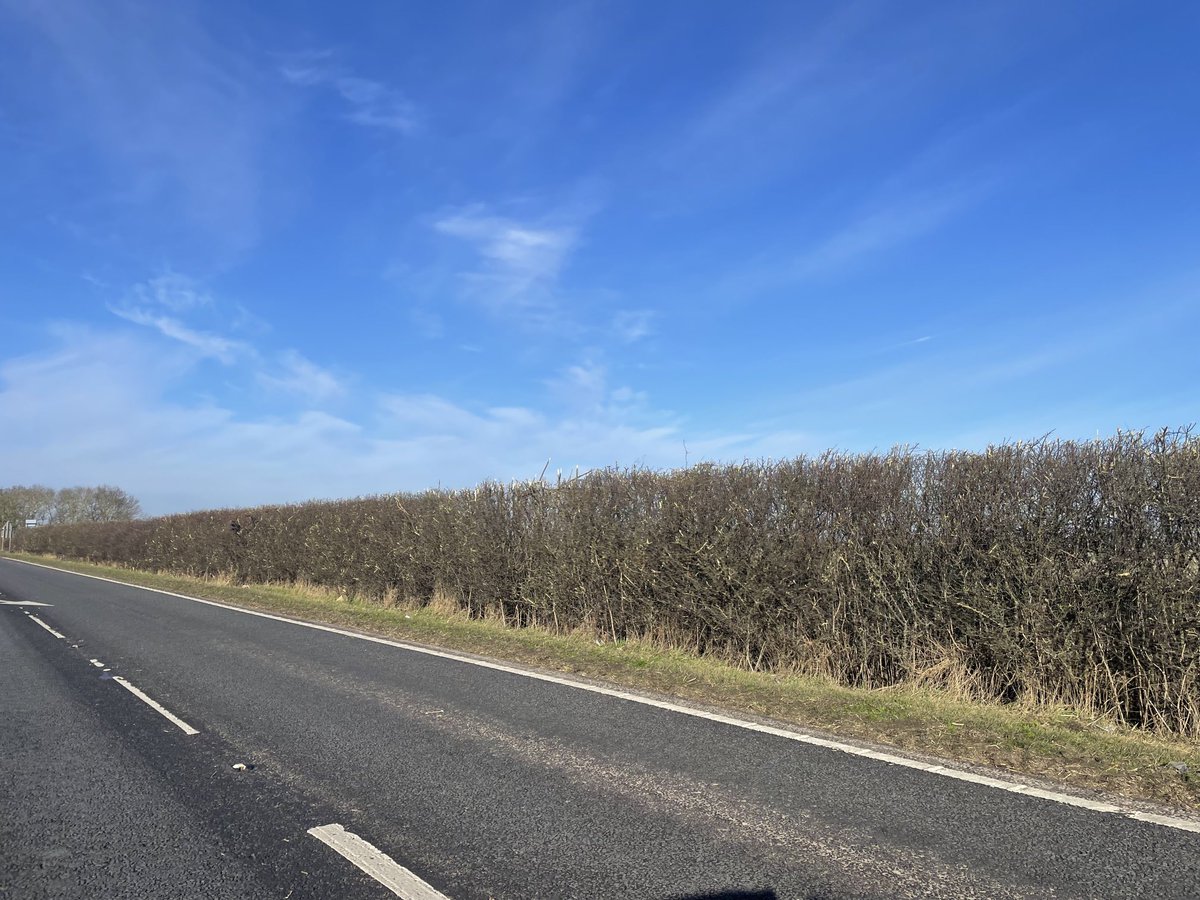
<point x="1052" y="571"/>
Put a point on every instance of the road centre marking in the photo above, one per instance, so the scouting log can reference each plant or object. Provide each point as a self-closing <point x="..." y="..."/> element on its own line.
<point x="141" y="695"/>
<point x="61" y="637"/>
<point x="157" y="707"/>
<point x="1013" y="787"/>
<point x="397" y="879"/>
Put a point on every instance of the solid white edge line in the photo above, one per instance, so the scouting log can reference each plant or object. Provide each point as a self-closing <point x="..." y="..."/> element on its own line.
<point x="1012" y="787"/>
<point x="61" y="637"/>
<point x="397" y="879"/>
<point x="156" y="706"/>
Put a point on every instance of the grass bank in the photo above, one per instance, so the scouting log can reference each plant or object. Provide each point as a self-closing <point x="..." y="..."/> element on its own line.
<point x="1050" y="743"/>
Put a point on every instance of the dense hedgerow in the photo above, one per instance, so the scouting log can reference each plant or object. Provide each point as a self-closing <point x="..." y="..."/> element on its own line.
<point x="1050" y="571"/>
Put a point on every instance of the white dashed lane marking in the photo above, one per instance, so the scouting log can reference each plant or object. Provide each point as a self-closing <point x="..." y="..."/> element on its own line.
<point x="393" y="876"/>
<point x="61" y="637"/>
<point x="156" y="706"/>
<point x="141" y="695"/>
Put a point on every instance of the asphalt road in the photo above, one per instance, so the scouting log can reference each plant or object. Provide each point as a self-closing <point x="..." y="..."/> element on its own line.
<point x="467" y="781"/>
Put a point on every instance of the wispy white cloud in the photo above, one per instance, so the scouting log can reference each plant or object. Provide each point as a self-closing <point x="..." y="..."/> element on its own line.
<point x="593" y="427"/>
<point x="522" y="261"/>
<point x="546" y="59"/>
<point x="375" y="105"/>
<point x="308" y="69"/>
<point x="245" y="321"/>
<point x="160" y="303"/>
<point x="884" y="227"/>
<point x="299" y="375"/>
<point x="100" y="408"/>
<point x="582" y="389"/>
<point x="427" y="323"/>
<point x="176" y="116"/>
<point x="224" y="349"/>
<point x="163" y="304"/>
<point x="820" y="85"/>
<point x="790" y="84"/>
<point x="630" y="325"/>
<point x="793" y="96"/>
<point x="430" y="414"/>
<point x="369" y="103"/>
<point x="105" y="407"/>
<point x="1005" y="380"/>
<point x="172" y="291"/>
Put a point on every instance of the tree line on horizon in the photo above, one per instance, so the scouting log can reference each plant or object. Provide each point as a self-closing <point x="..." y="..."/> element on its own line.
<point x="66" y="506"/>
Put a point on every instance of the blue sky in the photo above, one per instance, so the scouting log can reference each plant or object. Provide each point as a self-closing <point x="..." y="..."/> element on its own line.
<point x="266" y="252"/>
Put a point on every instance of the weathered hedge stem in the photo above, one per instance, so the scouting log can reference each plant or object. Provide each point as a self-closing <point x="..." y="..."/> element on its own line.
<point x="1050" y="571"/>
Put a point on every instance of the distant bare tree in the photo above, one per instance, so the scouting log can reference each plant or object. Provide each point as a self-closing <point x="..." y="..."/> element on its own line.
<point x="68" y="505"/>
<point x="111" y="504"/>
<point x="22" y="502"/>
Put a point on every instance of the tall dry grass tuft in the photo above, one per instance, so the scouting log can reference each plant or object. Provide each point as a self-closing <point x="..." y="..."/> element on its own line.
<point x="1049" y="571"/>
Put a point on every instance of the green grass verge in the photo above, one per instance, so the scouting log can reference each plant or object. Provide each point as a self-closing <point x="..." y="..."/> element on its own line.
<point x="1056" y="744"/>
